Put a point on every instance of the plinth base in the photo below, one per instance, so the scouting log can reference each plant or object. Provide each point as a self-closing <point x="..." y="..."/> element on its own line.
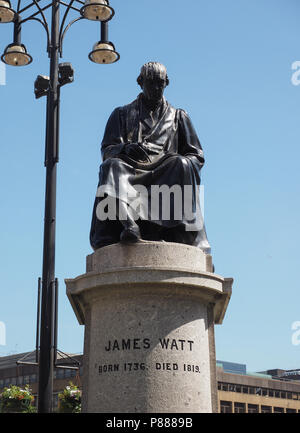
<point x="149" y="311"/>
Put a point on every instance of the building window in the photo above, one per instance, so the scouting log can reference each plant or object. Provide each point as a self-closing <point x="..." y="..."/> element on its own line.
<point x="20" y="380"/>
<point x="252" y="408"/>
<point x="224" y="387"/>
<point x="291" y="411"/>
<point x="251" y="390"/>
<point x="68" y="373"/>
<point x="278" y="410"/>
<point x="226" y="406"/>
<point x="60" y="374"/>
<point x="264" y="392"/>
<point x="277" y="394"/>
<point x="55" y="401"/>
<point x="33" y="378"/>
<point x="7" y="381"/>
<point x="239" y="407"/>
<point x="271" y="393"/>
<point x="245" y="389"/>
<point x="266" y="409"/>
<point x="26" y="380"/>
<point x="283" y="394"/>
<point x="231" y="388"/>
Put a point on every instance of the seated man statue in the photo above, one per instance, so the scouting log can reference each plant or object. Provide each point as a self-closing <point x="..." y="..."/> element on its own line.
<point x="151" y="156"/>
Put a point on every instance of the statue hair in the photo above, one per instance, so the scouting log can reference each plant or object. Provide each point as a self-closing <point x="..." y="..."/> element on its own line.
<point x="150" y="69"/>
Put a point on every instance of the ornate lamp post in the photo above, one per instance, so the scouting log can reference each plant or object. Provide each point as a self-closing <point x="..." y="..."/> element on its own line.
<point x="15" y="54"/>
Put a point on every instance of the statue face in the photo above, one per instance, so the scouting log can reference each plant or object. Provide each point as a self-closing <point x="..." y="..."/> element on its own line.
<point x="153" y="87"/>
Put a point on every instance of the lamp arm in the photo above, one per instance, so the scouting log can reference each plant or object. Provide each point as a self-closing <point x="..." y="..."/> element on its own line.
<point x="45" y="27"/>
<point x="34" y="3"/>
<point x="63" y="32"/>
<point x="62" y="25"/>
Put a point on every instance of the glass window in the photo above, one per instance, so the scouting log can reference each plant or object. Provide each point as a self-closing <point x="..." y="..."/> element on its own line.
<point x="68" y="373"/>
<point x="55" y="401"/>
<point x="245" y="389"/>
<point x="26" y="380"/>
<point x="266" y="409"/>
<point x="251" y="390"/>
<point x="226" y="406"/>
<point x="20" y="380"/>
<point x="224" y="387"/>
<point x="231" y="387"/>
<point x="60" y="373"/>
<point x="278" y="410"/>
<point x="33" y="378"/>
<point x="271" y="393"/>
<point x="252" y="408"/>
<point x="291" y="411"/>
<point x="283" y="394"/>
<point x="1" y="383"/>
<point x="238" y="388"/>
<point x="277" y="394"/>
<point x="239" y="407"/>
<point x="264" y="391"/>
<point x="13" y="380"/>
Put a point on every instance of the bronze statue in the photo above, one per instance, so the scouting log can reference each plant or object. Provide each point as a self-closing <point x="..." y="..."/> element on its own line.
<point x="149" y="146"/>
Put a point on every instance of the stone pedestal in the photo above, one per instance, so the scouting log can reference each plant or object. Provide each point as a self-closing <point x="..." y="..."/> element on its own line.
<point x="149" y="311"/>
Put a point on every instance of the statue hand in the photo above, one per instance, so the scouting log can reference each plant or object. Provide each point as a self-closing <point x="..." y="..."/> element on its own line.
<point x="136" y="152"/>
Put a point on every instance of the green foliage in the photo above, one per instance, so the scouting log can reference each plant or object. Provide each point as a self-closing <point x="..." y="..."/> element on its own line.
<point x="69" y="401"/>
<point x="16" y="399"/>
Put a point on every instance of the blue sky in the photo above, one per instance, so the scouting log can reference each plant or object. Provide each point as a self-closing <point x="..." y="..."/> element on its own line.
<point x="230" y="67"/>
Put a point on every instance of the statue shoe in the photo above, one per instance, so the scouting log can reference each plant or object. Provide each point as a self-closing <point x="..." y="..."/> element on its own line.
<point x="130" y="234"/>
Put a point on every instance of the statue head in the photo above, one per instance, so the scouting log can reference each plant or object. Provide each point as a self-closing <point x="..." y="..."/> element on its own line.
<point x="153" y="80"/>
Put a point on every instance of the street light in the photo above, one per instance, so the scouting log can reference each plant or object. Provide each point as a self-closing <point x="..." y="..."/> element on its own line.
<point x="104" y="51"/>
<point x="7" y="14"/>
<point x="97" y="10"/>
<point x="15" y="54"/>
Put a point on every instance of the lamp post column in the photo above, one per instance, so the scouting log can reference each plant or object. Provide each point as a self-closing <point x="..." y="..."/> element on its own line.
<point x="46" y="361"/>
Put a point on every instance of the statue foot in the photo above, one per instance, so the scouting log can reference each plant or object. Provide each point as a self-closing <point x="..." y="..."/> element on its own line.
<point x="131" y="234"/>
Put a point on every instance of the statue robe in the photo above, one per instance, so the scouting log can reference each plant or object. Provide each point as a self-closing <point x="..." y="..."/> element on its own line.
<point x="174" y="157"/>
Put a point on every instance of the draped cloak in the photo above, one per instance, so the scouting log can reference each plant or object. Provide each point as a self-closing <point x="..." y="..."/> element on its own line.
<point x="174" y="157"/>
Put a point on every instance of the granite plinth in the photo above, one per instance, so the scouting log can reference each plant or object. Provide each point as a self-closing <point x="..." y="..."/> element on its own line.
<point x="149" y="311"/>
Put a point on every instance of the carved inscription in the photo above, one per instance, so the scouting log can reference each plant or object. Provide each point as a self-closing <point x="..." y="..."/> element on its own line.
<point x="139" y="344"/>
<point x="145" y="343"/>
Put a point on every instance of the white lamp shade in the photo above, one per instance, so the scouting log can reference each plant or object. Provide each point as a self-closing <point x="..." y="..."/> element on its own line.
<point x="104" y="53"/>
<point x="97" y="10"/>
<point x="6" y="13"/>
<point x="16" y="55"/>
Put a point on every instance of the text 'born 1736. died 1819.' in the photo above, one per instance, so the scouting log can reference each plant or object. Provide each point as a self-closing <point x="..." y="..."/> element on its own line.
<point x="150" y="176"/>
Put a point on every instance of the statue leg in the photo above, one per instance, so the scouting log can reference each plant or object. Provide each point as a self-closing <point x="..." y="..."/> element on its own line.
<point x="131" y="231"/>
